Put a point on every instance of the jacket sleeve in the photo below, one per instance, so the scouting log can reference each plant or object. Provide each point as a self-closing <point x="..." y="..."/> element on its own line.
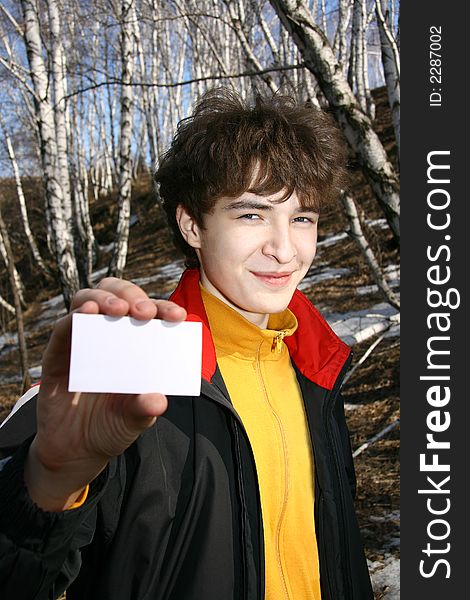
<point x="345" y="444"/>
<point x="39" y="550"/>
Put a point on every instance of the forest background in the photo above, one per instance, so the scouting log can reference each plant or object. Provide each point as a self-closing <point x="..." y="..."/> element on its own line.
<point x="90" y="96"/>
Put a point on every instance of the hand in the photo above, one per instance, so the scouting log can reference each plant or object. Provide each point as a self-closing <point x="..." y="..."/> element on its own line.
<point x="79" y="432"/>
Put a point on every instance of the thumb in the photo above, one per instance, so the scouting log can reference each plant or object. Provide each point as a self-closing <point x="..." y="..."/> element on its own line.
<point x="144" y="409"/>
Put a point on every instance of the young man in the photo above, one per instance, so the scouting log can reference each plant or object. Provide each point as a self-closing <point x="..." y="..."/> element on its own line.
<point x="246" y="491"/>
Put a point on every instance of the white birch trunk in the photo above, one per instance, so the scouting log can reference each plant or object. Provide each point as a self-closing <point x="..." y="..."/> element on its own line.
<point x="57" y="66"/>
<point x="26" y="383"/>
<point x="18" y="282"/>
<point x="357" y="45"/>
<point x="144" y="93"/>
<point x="111" y="108"/>
<point x="319" y="58"/>
<point x="119" y="257"/>
<point x="340" y="45"/>
<point x="391" y="64"/>
<point x="251" y="58"/>
<point x="22" y="202"/>
<point x="358" y="236"/>
<point x="366" y="20"/>
<point x="62" y="241"/>
<point x="80" y="199"/>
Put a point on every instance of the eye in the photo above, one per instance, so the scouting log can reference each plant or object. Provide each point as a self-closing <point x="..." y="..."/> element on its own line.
<point x="304" y="220"/>
<point x="249" y="217"/>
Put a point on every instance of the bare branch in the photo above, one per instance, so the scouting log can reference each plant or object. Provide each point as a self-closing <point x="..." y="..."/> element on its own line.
<point x="376" y="437"/>
<point x="186" y="81"/>
<point x="12" y="19"/>
<point x="358" y="236"/>
<point x="6" y="305"/>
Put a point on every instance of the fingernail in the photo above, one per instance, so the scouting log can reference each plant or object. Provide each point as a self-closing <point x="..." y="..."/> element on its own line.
<point x="143" y="305"/>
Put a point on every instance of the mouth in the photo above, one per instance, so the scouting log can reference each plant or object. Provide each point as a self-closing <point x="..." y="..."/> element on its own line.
<point x="276" y="280"/>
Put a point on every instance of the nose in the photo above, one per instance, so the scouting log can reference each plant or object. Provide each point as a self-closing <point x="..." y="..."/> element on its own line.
<point x="279" y="244"/>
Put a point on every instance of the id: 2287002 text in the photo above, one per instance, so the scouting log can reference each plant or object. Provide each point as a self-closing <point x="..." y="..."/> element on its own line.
<point x="435" y="65"/>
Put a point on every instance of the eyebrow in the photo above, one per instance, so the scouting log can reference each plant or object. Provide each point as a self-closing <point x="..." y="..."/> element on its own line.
<point x="254" y="205"/>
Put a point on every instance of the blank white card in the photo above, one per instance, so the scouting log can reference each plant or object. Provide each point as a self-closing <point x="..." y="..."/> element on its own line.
<point x="125" y="355"/>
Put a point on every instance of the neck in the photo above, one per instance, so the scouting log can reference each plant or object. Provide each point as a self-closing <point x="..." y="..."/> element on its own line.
<point x="258" y="319"/>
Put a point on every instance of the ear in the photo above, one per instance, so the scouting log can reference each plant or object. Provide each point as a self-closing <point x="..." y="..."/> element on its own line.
<point x="188" y="227"/>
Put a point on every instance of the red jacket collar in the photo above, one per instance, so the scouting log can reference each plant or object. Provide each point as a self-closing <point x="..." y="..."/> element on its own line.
<point x="315" y="349"/>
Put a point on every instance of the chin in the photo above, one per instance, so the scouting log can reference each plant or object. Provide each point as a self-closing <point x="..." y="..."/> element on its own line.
<point x="273" y="305"/>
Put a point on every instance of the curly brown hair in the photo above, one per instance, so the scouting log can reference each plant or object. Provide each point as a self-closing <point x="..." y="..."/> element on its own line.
<point x="227" y="147"/>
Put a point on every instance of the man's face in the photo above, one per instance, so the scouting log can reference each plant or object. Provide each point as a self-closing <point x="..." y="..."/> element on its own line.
<point x="253" y="252"/>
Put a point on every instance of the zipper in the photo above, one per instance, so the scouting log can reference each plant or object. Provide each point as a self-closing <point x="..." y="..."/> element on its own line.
<point x="282" y="514"/>
<point x="277" y="341"/>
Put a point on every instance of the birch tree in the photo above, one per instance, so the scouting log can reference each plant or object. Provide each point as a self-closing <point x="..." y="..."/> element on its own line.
<point x="251" y="59"/>
<point x="11" y="268"/>
<point x="62" y="238"/>
<point x="22" y="202"/>
<point x="119" y="257"/>
<point x="391" y="63"/>
<point x="356" y="232"/>
<point x="340" y="45"/>
<point x="26" y="379"/>
<point x="320" y="59"/>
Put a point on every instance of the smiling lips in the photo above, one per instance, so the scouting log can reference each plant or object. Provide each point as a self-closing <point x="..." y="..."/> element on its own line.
<point x="273" y="279"/>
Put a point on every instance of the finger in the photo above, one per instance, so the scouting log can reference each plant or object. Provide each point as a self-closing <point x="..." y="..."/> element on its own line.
<point x="169" y="311"/>
<point x="140" y="305"/>
<point x="97" y="301"/>
<point x="56" y="356"/>
<point x="146" y="407"/>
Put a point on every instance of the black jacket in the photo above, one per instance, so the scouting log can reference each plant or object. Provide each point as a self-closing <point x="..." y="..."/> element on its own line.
<point x="177" y="516"/>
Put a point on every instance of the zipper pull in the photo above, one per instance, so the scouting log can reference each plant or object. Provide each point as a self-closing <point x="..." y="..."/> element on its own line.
<point x="277" y="342"/>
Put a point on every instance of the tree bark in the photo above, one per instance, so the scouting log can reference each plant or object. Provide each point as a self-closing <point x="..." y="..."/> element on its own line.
<point x="391" y="64"/>
<point x="26" y="379"/>
<point x="6" y="258"/>
<point x="57" y="75"/>
<point x="6" y="305"/>
<point x="251" y="58"/>
<point x="358" y="236"/>
<point x="340" y="45"/>
<point x="319" y="58"/>
<point x="119" y="257"/>
<point x="62" y="240"/>
<point x="22" y="202"/>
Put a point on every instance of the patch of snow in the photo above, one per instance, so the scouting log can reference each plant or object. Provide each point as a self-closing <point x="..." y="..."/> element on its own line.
<point x="169" y="273"/>
<point x="96" y="275"/>
<point x="317" y="274"/>
<point x="52" y="310"/>
<point x="35" y="372"/>
<point x="107" y="248"/>
<point x="349" y="406"/>
<point x="52" y="302"/>
<point x="357" y="326"/>
<point x="385" y="577"/>
<point x="392" y="276"/>
<point x="381" y="223"/>
<point x="8" y="340"/>
<point x="332" y="239"/>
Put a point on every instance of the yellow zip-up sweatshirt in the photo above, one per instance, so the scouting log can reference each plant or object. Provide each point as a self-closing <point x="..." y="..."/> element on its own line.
<point x="261" y="381"/>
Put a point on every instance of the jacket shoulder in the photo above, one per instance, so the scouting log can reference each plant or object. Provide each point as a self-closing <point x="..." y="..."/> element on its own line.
<point x="20" y="424"/>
